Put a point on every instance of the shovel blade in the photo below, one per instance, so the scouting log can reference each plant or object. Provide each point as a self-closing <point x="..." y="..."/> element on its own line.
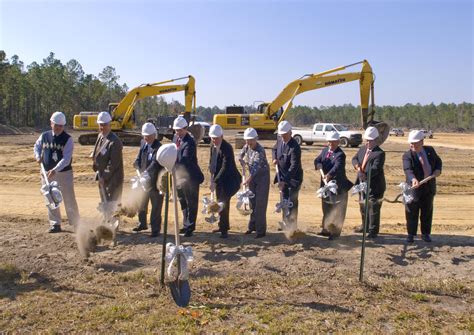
<point x="180" y="291"/>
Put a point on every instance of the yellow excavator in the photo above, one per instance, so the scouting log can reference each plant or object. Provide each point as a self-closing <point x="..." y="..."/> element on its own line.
<point x="269" y="115"/>
<point x="123" y="112"/>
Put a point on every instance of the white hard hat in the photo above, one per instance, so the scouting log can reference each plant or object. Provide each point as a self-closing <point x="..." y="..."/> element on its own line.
<point x="284" y="127"/>
<point x="371" y="133"/>
<point x="250" y="134"/>
<point x="216" y="131"/>
<point x="415" y="136"/>
<point x="180" y="123"/>
<point x="104" y="117"/>
<point x="167" y="155"/>
<point x="148" y="129"/>
<point x="58" y="118"/>
<point x="332" y="136"/>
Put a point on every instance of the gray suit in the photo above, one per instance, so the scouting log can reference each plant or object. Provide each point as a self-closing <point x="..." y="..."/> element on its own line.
<point x="108" y="163"/>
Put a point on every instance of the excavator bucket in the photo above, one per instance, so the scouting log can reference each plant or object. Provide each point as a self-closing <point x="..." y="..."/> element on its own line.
<point x="383" y="129"/>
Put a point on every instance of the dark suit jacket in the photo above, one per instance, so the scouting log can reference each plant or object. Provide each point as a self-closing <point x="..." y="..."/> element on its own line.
<point x="413" y="169"/>
<point x="108" y="160"/>
<point x="377" y="161"/>
<point x="187" y="159"/>
<point x="225" y="173"/>
<point x="334" y="166"/>
<point x="289" y="162"/>
<point x="151" y="166"/>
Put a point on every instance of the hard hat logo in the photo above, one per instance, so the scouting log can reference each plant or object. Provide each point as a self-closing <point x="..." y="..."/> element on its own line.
<point x="180" y="123"/>
<point x="148" y="129"/>
<point x="58" y="118"/>
<point x="216" y="131"/>
<point x="104" y="117"/>
<point x="371" y="133"/>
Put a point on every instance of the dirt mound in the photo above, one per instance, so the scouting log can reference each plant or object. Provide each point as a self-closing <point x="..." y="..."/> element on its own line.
<point x="10" y="130"/>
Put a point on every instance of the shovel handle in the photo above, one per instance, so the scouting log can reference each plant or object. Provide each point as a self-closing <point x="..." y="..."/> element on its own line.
<point x="175" y="203"/>
<point x="323" y="176"/>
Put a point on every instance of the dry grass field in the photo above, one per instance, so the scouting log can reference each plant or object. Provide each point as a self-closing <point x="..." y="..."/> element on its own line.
<point x="240" y="285"/>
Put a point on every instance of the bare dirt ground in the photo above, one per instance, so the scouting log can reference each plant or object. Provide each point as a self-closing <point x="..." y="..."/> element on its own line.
<point x="240" y="285"/>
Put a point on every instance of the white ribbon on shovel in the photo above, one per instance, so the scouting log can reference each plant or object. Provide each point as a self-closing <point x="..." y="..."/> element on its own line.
<point x="327" y="189"/>
<point x="172" y="254"/>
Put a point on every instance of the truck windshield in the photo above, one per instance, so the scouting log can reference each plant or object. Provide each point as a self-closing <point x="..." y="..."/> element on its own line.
<point x="340" y="127"/>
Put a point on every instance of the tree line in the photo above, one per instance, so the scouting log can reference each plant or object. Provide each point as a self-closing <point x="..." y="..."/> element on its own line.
<point x="30" y="94"/>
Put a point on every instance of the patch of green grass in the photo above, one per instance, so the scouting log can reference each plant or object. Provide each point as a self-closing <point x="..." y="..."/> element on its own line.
<point x="406" y="316"/>
<point x="419" y="297"/>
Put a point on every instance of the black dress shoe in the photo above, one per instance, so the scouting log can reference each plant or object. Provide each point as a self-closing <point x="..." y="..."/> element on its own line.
<point x="54" y="229"/>
<point x="426" y="237"/>
<point x="188" y="233"/>
<point x="140" y="227"/>
<point x="324" y="232"/>
<point x="332" y="237"/>
<point x="224" y="234"/>
<point x="154" y="234"/>
<point x="248" y="232"/>
<point x="260" y="235"/>
<point x="372" y="236"/>
<point x="182" y="230"/>
<point x="410" y="238"/>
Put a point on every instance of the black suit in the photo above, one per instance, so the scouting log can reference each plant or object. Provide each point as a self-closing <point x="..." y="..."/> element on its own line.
<point x="422" y="205"/>
<point x="146" y="161"/>
<point x="335" y="167"/>
<point x="288" y="158"/>
<point x="226" y="178"/>
<point x="376" y="161"/>
<point x="191" y="175"/>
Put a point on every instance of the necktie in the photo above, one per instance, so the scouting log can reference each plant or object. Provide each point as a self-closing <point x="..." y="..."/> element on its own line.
<point x="425" y="165"/>
<point x="178" y="142"/>
<point x="366" y="159"/>
<point x="329" y="154"/>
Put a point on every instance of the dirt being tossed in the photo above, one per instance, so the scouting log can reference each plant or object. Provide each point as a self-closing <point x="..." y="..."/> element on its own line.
<point x="89" y="235"/>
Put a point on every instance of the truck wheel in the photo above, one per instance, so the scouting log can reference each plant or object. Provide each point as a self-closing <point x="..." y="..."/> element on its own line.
<point x="309" y="143"/>
<point x="298" y="139"/>
<point x="343" y="142"/>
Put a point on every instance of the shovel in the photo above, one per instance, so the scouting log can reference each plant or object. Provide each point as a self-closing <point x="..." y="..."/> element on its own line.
<point x="50" y="190"/>
<point x="244" y="196"/>
<point x="407" y="192"/>
<point x="284" y="205"/>
<point x="328" y="191"/>
<point x="179" y="287"/>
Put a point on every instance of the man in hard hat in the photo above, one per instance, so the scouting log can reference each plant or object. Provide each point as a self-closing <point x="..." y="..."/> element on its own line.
<point x="253" y="158"/>
<point x="149" y="169"/>
<point x="108" y="161"/>
<point x="371" y="156"/>
<point x="189" y="174"/>
<point x="54" y="149"/>
<point x="332" y="162"/>
<point x="419" y="163"/>
<point x="286" y="155"/>
<point x="225" y="178"/>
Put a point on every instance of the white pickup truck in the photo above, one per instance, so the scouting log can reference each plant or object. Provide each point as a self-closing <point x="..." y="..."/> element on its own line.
<point x="320" y="130"/>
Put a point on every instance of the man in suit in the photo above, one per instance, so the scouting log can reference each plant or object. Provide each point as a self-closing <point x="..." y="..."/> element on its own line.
<point x="107" y="161"/>
<point x="332" y="162"/>
<point x="149" y="169"/>
<point x="419" y="163"/>
<point x="189" y="175"/>
<point x="225" y="178"/>
<point x="371" y="156"/>
<point x="54" y="150"/>
<point x="286" y="155"/>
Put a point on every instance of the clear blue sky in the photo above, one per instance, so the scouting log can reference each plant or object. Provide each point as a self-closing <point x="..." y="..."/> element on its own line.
<point x="242" y="51"/>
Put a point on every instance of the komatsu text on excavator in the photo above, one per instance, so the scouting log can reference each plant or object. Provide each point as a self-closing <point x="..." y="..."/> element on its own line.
<point x="269" y="115"/>
<point x="122" y="113"/>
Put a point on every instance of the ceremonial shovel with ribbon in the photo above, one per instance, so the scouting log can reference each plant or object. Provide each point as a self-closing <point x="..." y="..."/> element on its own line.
<point x="244" y="196"/>
<point x="284" y="205"/>
<point x="211" y="206"/>
<point x="407" y="194"/>
<point x="328" y="191"/>
<point x="177" y="255"/>
<point x="50" y="190"/>
<point x="141" y="180"/>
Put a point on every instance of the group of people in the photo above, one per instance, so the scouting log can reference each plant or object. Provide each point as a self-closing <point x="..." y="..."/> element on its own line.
<point x="54" y="149"/>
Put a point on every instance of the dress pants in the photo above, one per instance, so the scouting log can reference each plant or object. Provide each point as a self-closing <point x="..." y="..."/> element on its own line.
<point x="65" y="181"/>
<point x="292" y="195"/>
<point x="375" y="205"/>
<point x="422" y="208"/>
<point x="156" y="200"/>
<point x="335" y="214"/>
<point x="188" y="196"/>
<point x="260" y="186"/>
<point x="222" y="196"/>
